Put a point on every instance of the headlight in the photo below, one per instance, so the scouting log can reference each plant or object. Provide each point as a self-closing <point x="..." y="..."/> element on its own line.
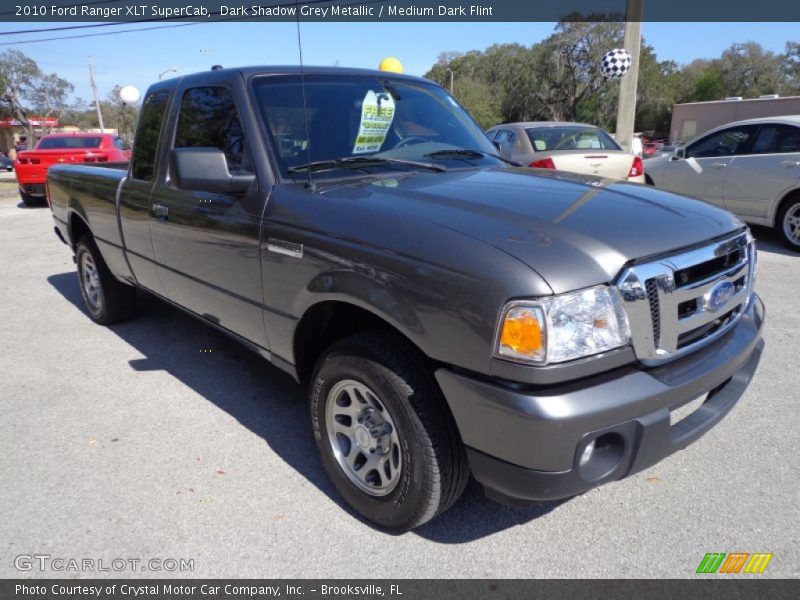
<point x="564" y="327"/>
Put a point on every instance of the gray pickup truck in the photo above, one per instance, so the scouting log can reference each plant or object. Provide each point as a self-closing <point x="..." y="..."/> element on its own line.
<point x="451" y="314"/>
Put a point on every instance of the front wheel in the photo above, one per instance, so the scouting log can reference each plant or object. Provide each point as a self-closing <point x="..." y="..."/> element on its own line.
<point x="789" y="224"/>
<point x="385" y="433"/>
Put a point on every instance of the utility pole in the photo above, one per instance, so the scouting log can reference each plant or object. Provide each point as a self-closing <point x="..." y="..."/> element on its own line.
<point x="94" y="92"/>
<point x="626" y="112"/>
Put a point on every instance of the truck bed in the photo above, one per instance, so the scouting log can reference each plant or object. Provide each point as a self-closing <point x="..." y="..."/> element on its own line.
<point x="91" y="192"/>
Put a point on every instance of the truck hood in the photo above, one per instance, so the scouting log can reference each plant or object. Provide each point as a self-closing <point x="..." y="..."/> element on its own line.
<point x="573" y="230"/>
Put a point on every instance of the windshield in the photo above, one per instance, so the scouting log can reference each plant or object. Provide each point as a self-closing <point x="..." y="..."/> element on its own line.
<point x="569" y="137"/>
<point x="52" y="143"/>
<point x="364" y="116"/>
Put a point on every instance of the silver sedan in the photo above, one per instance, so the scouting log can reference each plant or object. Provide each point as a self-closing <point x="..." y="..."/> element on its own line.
<point x="751" y="167"/>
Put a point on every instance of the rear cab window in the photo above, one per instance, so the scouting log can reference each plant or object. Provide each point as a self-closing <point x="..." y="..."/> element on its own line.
<point x="145" y="146"/>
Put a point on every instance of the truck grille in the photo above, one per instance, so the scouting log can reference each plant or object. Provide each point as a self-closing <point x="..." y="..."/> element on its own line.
<point x="679" y="303"/>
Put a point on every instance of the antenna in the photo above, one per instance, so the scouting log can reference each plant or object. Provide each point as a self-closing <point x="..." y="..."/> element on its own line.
<point x="310" y="184"/>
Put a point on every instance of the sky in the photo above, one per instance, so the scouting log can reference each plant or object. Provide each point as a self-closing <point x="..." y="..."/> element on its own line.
<point x="138" y="58"/>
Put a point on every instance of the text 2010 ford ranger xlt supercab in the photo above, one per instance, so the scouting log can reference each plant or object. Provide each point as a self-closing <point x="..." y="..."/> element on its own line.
<point x="450" y="313"/>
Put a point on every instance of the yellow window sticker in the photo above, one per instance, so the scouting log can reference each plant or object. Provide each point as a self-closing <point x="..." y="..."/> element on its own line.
<point x="377" y="113"/>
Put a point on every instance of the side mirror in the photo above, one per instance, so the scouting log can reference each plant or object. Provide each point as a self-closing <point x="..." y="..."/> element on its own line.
<point x="496" y="144"/>
<point x="679" y="154"/>
<point x="205" y="170"/>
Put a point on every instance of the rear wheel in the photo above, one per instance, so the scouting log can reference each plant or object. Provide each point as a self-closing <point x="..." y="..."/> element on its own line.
<point x="386" y="436"/>
<point x="29" y="200"/>
<point x="789" y="223"/>
<point x="107" y="299"/>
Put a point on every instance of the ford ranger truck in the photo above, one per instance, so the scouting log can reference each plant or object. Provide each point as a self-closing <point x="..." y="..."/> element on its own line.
<point x="451" y="314"/>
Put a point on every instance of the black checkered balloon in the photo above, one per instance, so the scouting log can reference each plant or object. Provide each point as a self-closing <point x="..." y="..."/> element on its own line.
<point x="615" y="63"/>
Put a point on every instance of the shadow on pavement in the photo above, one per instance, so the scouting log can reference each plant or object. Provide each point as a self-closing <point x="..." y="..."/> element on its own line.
<point x="270" y="404"/>
<point x="769" y="240"/>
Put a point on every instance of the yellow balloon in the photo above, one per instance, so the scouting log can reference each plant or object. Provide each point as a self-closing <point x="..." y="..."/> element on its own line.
<point x="390" y="63"/>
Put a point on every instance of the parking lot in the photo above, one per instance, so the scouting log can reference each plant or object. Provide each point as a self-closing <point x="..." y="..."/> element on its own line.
<point x="160" y="438"/>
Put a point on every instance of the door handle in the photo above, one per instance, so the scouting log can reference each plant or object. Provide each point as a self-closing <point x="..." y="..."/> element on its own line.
<point x="790" y="163"/>
<point x="720" y="165"/>
<point x="160" y="212"/>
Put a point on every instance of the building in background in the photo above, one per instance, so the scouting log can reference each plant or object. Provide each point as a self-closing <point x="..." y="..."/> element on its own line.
<point x="693" y="118"/>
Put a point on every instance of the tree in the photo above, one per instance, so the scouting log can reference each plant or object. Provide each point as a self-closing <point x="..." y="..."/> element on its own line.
<point x="27" y="90"/>
<point x="49" y="96"/>
<point x="559" y="78"/>
<point x="791" y="69"/>
<point x="477" y="97"/>
<point x="19" y="74"/>
<point x="708" y="86"/>
<point x="749" y="71"/>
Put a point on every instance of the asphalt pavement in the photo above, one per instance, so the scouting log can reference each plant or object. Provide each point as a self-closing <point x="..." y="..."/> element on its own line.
<point x="159" y="438"/>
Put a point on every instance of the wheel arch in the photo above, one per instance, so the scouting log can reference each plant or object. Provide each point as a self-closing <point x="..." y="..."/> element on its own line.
<point x="330" y="320"/>
<point x="77" y="226"/>
<point x="793" y="194"/>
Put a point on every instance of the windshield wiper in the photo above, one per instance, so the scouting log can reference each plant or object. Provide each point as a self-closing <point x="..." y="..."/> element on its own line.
<point x="357" y="162"/>
<point x="466" y="153"/>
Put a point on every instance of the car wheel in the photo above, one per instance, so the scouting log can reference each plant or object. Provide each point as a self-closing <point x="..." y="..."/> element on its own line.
<point x="387" y="438"/>
<point x="106" y="299"/>
<point x="29" y="200"/>
<point x="789" y="224"/>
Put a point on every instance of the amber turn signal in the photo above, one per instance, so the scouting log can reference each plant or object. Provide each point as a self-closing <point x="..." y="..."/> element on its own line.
<point x="521" y="335"/>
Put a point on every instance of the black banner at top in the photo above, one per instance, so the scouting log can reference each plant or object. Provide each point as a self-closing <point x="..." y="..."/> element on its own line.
<point x="129" y="11"/>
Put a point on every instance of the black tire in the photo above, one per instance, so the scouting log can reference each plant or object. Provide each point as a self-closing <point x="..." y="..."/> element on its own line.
<point x="790" y="207"/>
<point x="29" y="200"/>
<point x="114" y="301"/>
<point x="434" y="469"/>
<point x="648" y="180"/>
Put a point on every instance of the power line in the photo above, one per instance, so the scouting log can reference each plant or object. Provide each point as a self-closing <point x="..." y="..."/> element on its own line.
<point x="86" y="35"/>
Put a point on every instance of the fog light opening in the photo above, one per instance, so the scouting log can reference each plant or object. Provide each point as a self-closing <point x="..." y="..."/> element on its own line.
<point x="601" y="456"/>
<point x="587" y="453"/>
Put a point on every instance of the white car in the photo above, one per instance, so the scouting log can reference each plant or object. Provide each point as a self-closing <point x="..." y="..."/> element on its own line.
<point x="751" y="167"/>
<point x="574" y="147"/>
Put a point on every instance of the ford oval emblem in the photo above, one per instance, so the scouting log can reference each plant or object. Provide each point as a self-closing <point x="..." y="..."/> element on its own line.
<point x="719" y="295"/>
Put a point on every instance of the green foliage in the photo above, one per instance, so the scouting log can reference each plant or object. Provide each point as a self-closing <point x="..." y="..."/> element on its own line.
<point x="479" y="100"/>
<point x="708" y="86"/>
<point x="559" y="78"/>
<point x="26" y="90"/>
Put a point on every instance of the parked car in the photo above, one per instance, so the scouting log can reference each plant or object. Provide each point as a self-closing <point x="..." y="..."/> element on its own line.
<point x="652" y="148"/>
<point x="6" y="163"/>
<point x="574" y="147"/>
<point x="59" y="148"/>
<point x="751" y="168"/>
<point x="449" y="313"/>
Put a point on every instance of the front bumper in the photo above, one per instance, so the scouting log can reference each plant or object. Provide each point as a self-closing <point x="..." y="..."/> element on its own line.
<point x="525" y="444"/>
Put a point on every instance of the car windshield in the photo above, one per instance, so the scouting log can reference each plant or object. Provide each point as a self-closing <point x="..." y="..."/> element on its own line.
<point x="53" y="143"/>
<point x="394" y="121"/>
<point x="569" y="137"/>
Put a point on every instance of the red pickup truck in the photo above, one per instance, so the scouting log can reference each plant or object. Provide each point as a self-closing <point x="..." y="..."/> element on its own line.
<point x="59" y="148"/>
